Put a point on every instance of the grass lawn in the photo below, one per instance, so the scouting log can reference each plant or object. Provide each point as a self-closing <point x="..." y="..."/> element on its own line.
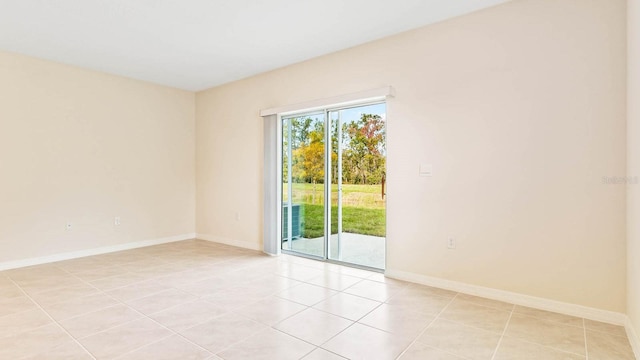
<point x="354" y="220"/>
<point x="357" y="196"/>
<point x="363" y="209"/>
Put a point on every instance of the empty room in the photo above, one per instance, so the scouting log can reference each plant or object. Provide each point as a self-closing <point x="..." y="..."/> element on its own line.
<point x="280" y="179"/>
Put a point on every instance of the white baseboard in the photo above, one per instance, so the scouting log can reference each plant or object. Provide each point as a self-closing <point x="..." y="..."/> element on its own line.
<point x="232" y="242"/>
<point x="633" y="337"/>
<point x="610" y="317"/>
<point x="90" y="252"/>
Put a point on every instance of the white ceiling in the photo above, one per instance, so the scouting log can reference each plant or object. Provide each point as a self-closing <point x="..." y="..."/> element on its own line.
<point x="197" y="44"/>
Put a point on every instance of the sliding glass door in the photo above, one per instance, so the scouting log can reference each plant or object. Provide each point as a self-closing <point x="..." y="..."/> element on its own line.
<point x="303" y="194"/>
<point x="333" y="184"/>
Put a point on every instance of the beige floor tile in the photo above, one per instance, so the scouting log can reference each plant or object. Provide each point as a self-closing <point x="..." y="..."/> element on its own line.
<point x="79" y="306"/>
<point x="160" y="301"/>
<point x="4" y="280"/>
<point x="271" y="310"/>
<point x="245" y="258"/>
<point x="184" y="277"/>
<point x="300" y="272"/>
<point x="314" y="326"/>
<point x="159" y="271"/>
<point x="374" y="290"/>
<point x="10" y="291"/>
<point x="346" y="270"/>
<point x="274" y="283"/>
<point x="561" y="337"/>
<point x="122" y="339"/>
<point x="143" y="264"/>
<point x="50" y="283"/>
<point x="334" y="281"/>
<point x="16" y="304"/>
<point x="273" y="267"/>
<point x="380" y="277"/>
<point x="297" y="260"/>
<point x="476" y="315"/>
<point x="20" y="322"/>
<point x="32" y="342"/>
<point x="499" y="305"/>
<point x="604" y="327"/>
<point x="82" y="265"/>
<point x="363" y="342"/>
<point x="248" y="291"/>
<point x="230" y="302"/>
<point x="114" y="282"/>
<point x="605" y="346"/>
<point x="206" y="287"/>
<point x="69" y="350"/>
<point x="35" y="273"/>
<point x="187" y="315"/>
<point x="397" y="320"/>
<point x="267" y="345"/>
<point x="461" y="340"/>
<point x="172" y="348"/>
<point x="348" y="306"/>
<point x="307" y="294"/>
<point x="137" y="290"/>
<point x="511" y="348"/>
<point x="322" y="354"/>
<point x="100" y="273"/>
<point x="222" y="332"/>
<point x="91" y="323"/>
<point x="420" y="351"/>
<point x="549" y="316"/>
<point x="244" y="275"/>
<point x="420" y="302"/>
<point x="429" y="290"/>
<point x="120" y="257"/>
<point x="50" y="297"/>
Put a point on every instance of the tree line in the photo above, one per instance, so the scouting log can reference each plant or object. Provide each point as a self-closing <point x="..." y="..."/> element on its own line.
<point x="363" y="153"/>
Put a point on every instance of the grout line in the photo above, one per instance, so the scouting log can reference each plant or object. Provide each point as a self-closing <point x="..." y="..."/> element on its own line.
<point x="504" y="331"/>
<point x="565" y="352"/>
<point x="242" y="265"/>
<point x="143" y="316"/>
<point x="146" y="345"/>
<point x="233" y="343"/>
<point x="53" y="320"/>
<point x="552" y="322"/>
<point x="91" y="312"/>
<point x="427" y="327"/>
<point x="340" y="316"/>
<point x="353" y="322"/>
<point x="586" y="348"/>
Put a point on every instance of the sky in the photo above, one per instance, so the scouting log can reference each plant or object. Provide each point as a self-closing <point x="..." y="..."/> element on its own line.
<point x="353" y="114"/>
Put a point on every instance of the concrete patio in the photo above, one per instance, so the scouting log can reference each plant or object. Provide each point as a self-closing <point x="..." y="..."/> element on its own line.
<point x="356" y="249"/>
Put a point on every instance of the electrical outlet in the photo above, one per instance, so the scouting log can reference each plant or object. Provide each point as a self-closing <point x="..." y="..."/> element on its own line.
<point x="68" y="226"/>
<point x="451" y="243"/>
<point x="116" y="221"/>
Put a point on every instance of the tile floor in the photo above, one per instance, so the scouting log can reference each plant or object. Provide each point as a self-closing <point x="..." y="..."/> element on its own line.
<point x="201" y="300"/>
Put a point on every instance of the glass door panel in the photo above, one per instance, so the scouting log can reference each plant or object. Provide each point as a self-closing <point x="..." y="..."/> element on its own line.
<point x="358" y="180"/>
<point x="303" y="179"/>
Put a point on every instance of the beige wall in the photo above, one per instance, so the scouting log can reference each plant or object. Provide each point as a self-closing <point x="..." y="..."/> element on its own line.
<point x="84" y="147"/>
<point x="520" y="109"/>
<point x="633" y="153"/>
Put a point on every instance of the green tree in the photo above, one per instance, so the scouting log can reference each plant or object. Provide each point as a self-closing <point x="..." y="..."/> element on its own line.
<point x="365" y="157"/>
<point x="308" y="163"/>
